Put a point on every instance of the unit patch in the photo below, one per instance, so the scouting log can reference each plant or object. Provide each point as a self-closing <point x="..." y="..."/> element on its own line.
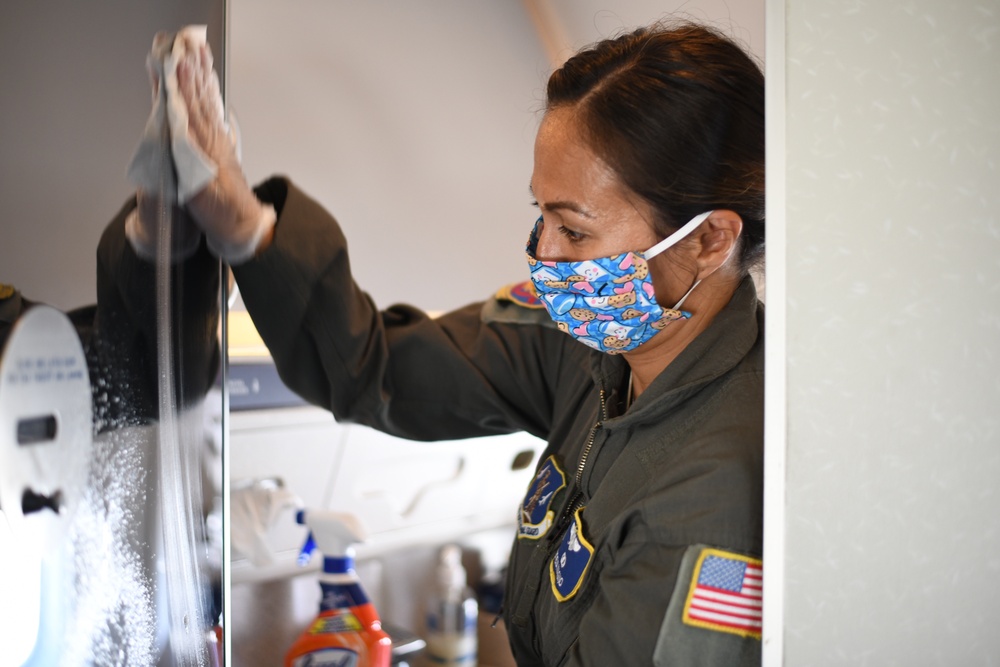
<point x="535" y="517"/>
<point x="725" y="594"/>
<point x="569" y="565"/>
<point x="523" y="294"/>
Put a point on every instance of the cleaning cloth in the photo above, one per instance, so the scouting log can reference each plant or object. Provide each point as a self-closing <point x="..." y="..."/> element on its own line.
<point x="167" y="157"/>
<point x="181" y="163"/>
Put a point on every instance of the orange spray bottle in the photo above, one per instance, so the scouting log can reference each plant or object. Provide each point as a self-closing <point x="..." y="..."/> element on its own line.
<point x="348" y="631"/>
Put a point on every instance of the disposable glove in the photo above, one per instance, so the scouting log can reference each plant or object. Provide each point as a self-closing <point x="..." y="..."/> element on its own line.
<point x="142" y="223"/>
<point x="160" y="183"/>
<point x="188" y="157"/>
<point x="235" y="222"/>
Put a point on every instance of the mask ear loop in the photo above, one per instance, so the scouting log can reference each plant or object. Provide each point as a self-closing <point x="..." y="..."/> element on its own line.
<point x="686" y="295"/>
<point x="677" y="236"/>
<point x="672" y="240"/>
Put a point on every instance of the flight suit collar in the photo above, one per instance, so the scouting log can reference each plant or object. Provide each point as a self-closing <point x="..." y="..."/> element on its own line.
<point x="717" y="350"/>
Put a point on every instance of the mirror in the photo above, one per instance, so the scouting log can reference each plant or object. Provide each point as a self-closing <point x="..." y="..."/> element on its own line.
<point x="136" y="579"/>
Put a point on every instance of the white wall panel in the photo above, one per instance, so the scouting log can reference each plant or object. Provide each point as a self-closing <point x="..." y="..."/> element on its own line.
<point x="893" y="300"/>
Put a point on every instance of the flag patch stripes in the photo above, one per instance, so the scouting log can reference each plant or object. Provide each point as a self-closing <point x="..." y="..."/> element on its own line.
<point x="726" y="594"/>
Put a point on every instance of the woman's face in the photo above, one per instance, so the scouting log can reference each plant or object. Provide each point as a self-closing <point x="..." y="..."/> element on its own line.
<point x="588" y="212"/>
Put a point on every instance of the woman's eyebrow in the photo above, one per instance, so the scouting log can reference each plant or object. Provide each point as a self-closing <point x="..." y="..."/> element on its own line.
<point x="561" y="205"/>
<point x="567" y="205"/>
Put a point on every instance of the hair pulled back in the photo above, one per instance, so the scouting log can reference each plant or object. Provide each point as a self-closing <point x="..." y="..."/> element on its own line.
<point x="678" y="113"/>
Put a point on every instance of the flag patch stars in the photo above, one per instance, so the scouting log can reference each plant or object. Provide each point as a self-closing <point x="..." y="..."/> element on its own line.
<point x="725" y="594"/>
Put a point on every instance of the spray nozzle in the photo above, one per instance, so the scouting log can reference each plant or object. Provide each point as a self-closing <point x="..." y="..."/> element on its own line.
<point x="332" y="533"/>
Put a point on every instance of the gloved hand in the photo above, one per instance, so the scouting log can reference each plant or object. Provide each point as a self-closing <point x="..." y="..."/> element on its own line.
<point x="188" y="128"/>
<point x="153" y="170"/>
<point x="142" y="224"/>
<point x="235" y="222"/>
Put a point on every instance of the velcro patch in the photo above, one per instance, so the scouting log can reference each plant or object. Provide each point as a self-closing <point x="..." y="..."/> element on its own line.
<point x="569" y="566"/>
<point x="523" y="294"/>
<point x="725" y="594"/>
<point x="535" y="517"/>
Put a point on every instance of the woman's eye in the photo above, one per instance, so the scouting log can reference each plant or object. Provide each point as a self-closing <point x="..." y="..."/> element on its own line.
<point x="570" y="234"/>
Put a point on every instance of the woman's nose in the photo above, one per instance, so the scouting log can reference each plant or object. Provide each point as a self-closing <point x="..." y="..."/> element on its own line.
<point x="548" y="248"/>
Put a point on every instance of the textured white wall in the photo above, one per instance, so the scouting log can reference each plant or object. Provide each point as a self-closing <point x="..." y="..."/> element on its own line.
<point x="893" y="301"/>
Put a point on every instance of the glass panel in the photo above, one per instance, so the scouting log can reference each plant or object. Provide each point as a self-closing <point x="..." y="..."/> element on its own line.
<point x="110" y="412"/>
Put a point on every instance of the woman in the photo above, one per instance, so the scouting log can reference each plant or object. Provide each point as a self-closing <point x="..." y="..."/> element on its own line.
<point x="638" y="536"/>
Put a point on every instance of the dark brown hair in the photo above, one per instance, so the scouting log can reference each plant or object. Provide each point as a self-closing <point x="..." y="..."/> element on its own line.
<point x="678" y="112"/>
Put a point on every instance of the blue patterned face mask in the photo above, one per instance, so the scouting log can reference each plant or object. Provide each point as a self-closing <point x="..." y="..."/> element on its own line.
<point x="607" y="303"/>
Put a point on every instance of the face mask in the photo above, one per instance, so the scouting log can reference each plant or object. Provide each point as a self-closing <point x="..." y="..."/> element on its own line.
<point x="607" y="303"/>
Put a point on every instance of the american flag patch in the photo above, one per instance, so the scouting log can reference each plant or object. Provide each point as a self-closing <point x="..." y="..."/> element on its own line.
<point x="725" y="594"/>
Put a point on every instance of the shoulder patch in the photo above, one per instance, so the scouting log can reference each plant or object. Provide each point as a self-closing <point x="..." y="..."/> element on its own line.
<point x="6" y="291"/>
<point x="725" y="593"/>
<point x="522" y="294"/>
<point x="517" y="304"/>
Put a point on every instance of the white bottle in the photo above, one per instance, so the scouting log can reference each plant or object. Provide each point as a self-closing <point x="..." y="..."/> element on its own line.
<point x="452" y="613"/>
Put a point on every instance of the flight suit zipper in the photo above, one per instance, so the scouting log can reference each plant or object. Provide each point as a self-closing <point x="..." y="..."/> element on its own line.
<point x="574" y="504"/>
<point x="543" y="551"/>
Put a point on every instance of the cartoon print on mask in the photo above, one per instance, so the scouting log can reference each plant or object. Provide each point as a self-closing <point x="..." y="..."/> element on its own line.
<point x="557" y="302"/>
<point x="583" y="314"/>
<point x="616" y="330"/>
<point x="563" y="284"/>
<point x="616" y="289"/>
<point x="669" y="316"/>
<point x="641" y="270"/>
<point x="622" y="300"/>
<point x="544" y="274"/>
<point x="613" y="302"/>
<point x="612" y="344"/>
<point x="590" y="271"/>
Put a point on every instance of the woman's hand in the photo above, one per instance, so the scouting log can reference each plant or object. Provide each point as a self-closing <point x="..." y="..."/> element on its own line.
<point x="142" y="225"/>
<point x="236" y="224"/>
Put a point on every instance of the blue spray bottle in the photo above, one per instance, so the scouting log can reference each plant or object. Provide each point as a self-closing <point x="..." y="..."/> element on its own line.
<point x="347" y="632"/>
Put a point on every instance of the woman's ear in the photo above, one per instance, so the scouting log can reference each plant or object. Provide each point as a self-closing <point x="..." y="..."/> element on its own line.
<point x="718" y="240"/>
